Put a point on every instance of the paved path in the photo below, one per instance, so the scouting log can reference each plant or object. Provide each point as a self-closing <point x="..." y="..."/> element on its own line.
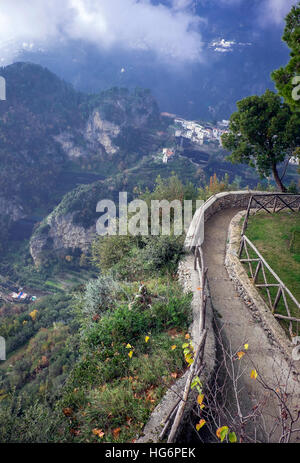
<point x="238" y="327"/>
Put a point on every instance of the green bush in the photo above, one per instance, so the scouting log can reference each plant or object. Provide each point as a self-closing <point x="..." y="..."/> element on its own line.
<point x="121" y="326"/>
<point x="175" y="313"/>
<point x="163" y="252"/>
<point x="100" y="295"/>
<point x="108" y="251"/>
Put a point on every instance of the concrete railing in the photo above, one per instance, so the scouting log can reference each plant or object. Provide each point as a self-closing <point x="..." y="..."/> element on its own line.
<point x="220" y="201"/>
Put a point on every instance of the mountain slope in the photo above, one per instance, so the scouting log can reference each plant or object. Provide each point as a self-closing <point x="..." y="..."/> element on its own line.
<point x="48" y="129"/>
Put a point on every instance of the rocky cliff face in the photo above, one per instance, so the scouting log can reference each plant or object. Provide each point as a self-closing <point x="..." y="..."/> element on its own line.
<point x="10" y="211"/>
<point x="59" y="234"/>
<point x="97" y="138"/>
<point x="72" y="224"/>
<point x="103" y="132"/>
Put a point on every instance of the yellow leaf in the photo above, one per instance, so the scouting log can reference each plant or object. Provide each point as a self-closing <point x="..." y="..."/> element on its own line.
<point x="222" y="432"/>
<point x="98" y="432"/>
<point x="130" y="354"/>
<point x="253" y="374"/>
<point x="33" y="314"/>
<point x="189" y="360"/>
<point x="147" y="338"/>
<point x="202" y="406"/>
<point x="128" y="346"/>
<point x="200" y="424"/>
<point x="240" y="354"/>
<point x="200" y="399"/>
<point x="246" y="346"/>
<point x="173" y="347"/>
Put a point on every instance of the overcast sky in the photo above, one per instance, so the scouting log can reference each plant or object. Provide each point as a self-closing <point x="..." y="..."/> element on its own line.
<point x="172" y="29"/>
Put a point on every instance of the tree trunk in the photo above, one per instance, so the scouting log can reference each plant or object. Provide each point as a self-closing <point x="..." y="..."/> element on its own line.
<point x="277" y="179"/>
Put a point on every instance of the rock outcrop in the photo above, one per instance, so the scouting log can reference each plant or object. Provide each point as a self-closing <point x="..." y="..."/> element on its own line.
<point x="98" y="130"/>
<point x="97" y="137"/>
<point x="58" y="235"/>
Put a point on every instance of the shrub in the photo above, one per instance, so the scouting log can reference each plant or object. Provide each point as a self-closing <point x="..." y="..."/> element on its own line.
<point x="99" y="295"/>
<point x="163" y="252"/>
<point x="108" y="250"/>
<point x="121" y="326"/>
<point x="175" y="313"/>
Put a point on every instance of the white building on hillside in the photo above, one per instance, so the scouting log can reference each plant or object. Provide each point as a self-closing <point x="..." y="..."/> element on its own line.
<point x="167" y="154"/>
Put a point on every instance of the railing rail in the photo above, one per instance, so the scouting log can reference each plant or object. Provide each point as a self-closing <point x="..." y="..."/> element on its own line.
<point x="276" y="202"/>
<point x="282" y="292"/>
<point x="197" y="365"/>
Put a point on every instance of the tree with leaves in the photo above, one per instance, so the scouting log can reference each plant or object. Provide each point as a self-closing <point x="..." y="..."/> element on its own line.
<point x="287" y="79"/>
<point x="263" y="133"/>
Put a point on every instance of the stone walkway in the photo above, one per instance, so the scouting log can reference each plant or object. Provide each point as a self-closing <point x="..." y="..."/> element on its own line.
<point x="238" y="327"/>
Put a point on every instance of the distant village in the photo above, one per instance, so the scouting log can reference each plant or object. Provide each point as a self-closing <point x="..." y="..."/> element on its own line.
<point x="196" y="133"/>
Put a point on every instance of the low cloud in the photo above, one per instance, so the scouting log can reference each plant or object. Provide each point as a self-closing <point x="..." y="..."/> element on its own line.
<point x="169" y="29"/>
<point x="171" y="32"/>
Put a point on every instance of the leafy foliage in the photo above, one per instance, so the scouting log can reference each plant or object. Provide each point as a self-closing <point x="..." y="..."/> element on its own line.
<point x="93" y="365"/>
<point x="51" y="309"/>
<point x="99" y="295"/>
<point x="262" y="133"/>
<point x="283" y="77"/>
<point x="125" y="354"/>
<point x="37" y="423"/>
<point x="163" y="252"/>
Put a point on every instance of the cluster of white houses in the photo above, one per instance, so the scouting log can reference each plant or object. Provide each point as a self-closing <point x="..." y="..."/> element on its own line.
<point x="198" y="133"/>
